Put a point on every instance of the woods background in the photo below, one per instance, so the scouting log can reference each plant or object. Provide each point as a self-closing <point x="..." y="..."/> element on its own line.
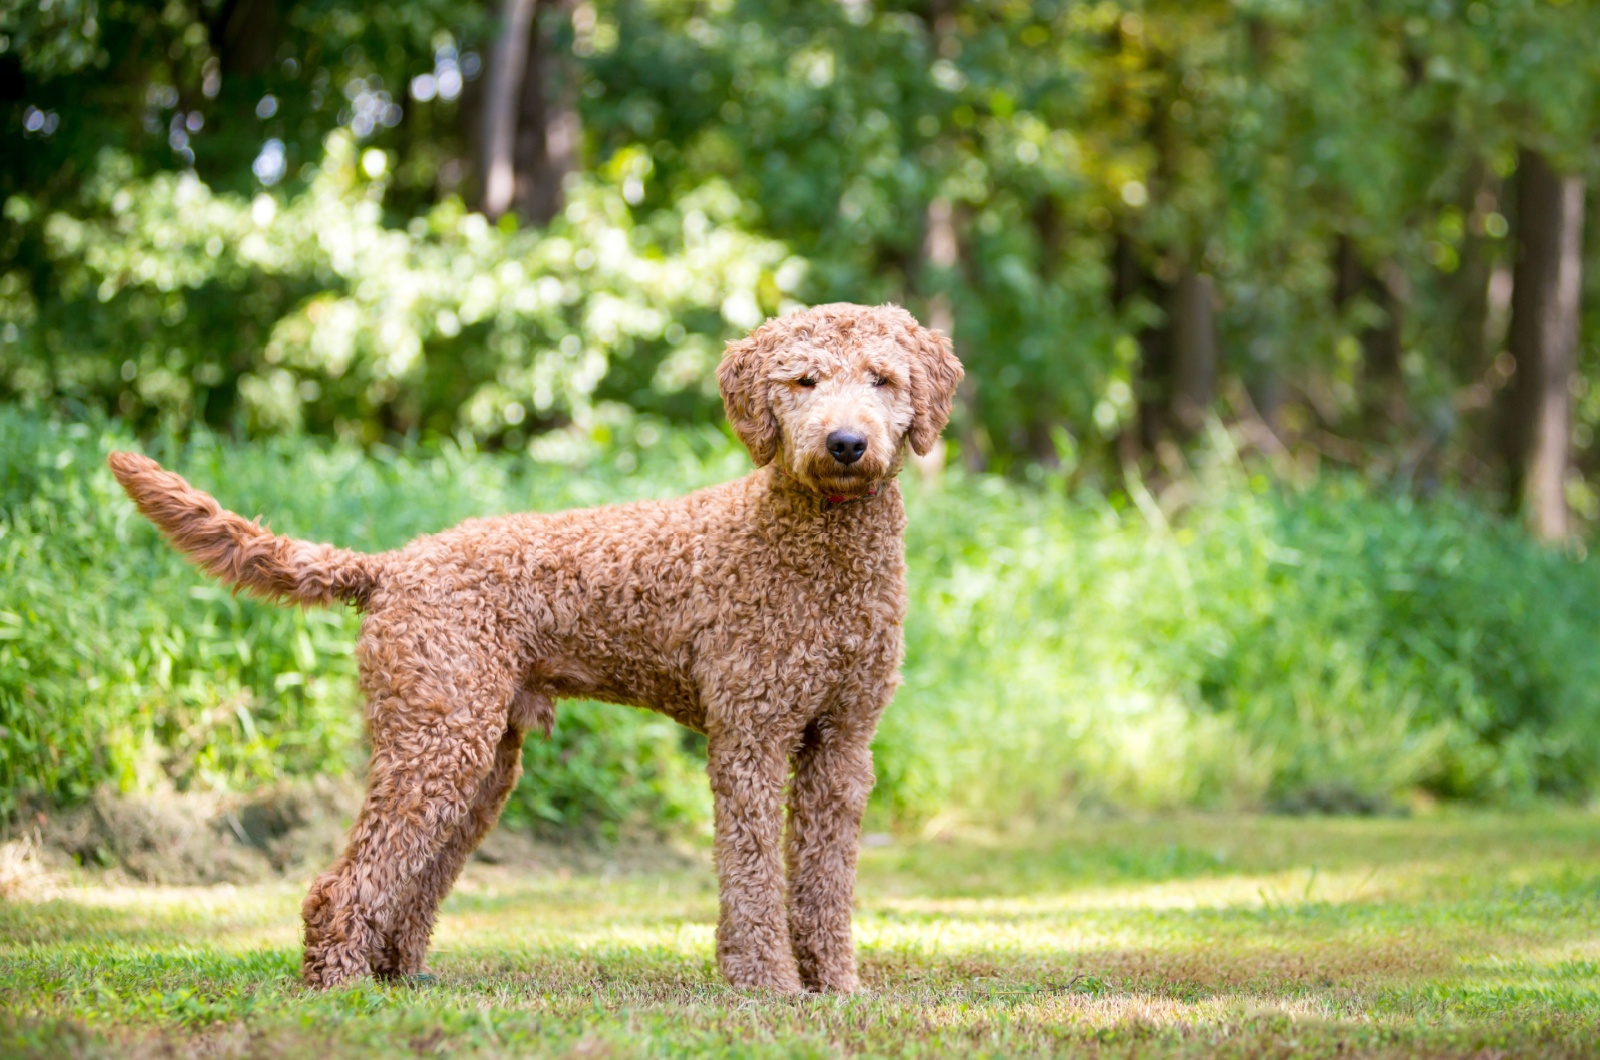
<point x="1281" y="318"/>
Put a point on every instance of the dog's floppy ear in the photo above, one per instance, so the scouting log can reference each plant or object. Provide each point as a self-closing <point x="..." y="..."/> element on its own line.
<point x="934" y="375"/>
<point x="742" y="377"/>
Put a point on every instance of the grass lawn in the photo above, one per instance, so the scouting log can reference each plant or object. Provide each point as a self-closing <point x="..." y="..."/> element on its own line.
<point x="1175" y="936"/>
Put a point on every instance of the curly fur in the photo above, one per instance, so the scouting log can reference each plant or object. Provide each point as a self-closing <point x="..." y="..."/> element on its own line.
<point x="765" y="613"/>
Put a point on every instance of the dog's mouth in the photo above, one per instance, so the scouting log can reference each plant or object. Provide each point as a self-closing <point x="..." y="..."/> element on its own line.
<point x="858" y="492"/>
<point x="814" y="468"/>
<point x="843" y="484"/>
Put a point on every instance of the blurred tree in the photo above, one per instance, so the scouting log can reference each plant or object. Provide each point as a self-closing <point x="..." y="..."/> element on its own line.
<point x="1132" y="214"/>
<point x="508" y="69"/>
<point x="1544" y="339"/>
<point x="531" y="129"/>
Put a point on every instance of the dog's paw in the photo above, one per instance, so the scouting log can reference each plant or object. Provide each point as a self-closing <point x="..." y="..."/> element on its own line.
<point x="776" y="985"/>
<point x="774" y="978"/>
<point x="839" y="985"/>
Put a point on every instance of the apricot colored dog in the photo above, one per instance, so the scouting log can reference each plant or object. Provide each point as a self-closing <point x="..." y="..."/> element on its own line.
<point x="765" y="613"/>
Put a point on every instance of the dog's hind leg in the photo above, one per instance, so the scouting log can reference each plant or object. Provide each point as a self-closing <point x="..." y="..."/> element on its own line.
<point x="406" y="942"/>
<point x="431" y="752"/>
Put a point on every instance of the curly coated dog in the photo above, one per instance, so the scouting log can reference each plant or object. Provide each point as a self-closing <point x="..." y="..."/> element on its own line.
<point x="765" y="613"/>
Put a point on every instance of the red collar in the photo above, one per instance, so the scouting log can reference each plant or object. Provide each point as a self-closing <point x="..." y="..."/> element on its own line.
<point x="841" y="499"/>
<point x="831" y="498"/>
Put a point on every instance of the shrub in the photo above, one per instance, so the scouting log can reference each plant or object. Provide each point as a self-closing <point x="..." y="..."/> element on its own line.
<point x="1267" y="646"/>
<point x="119" y="664"/>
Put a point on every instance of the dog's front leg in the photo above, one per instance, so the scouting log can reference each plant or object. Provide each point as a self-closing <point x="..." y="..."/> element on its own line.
<point x="747" y="775"/>
<point x="832" y="779"/>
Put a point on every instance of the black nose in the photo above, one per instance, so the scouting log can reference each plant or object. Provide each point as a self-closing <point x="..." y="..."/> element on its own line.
<point x="846" y="446"/>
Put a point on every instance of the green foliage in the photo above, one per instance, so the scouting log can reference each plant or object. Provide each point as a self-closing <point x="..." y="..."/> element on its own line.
<point x="118" y="664"/>
<point x="1256" y="646"/>
<point x="450" y="324"/>
<point x="743" y="155"/>
<point x="1263" y="644"/>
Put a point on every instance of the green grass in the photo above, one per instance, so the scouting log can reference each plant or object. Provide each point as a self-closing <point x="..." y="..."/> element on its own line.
<point x="1171" y="936"/>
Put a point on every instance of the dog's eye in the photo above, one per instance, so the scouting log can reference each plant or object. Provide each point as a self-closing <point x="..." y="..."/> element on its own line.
<point x="878" y="380"/>
<point x="806" y="380"/>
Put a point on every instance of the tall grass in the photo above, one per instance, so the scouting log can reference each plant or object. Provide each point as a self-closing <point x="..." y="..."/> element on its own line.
<point x="1265" y="646"/>
<point x="1330" y="646"/>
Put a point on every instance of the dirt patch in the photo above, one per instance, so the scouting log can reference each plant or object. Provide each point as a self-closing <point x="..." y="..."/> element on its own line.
<point x="23" y="873"/>
<point x="198" y="838"/>
<point x="292" y="830"/>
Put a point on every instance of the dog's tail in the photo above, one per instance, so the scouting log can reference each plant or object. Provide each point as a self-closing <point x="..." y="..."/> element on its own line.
<point x="239" y="551"/>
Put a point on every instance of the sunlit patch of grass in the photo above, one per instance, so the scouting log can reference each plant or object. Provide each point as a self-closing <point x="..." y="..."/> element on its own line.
<point x="1172" y="936"/>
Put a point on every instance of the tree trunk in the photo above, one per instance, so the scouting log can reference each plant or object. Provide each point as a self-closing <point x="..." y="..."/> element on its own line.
<point x="1383" y="401"/>
<point x="1472" y="333"/>
<point x="531" y="130"/>
<point x="1178" y="357"/>
<point x="1479" y="304"/>
<point x="1194" y="349"/>
<point x="508" y="61"/>
<point x="245" y="35"/>
<point x="1129" y="280"/>
<point x="941" y="255"/>
<point x="548" y="128"/>
<point x="1042" y="418"/>
<point x="1382" y="341"/>
<point x="1544" y="340"/>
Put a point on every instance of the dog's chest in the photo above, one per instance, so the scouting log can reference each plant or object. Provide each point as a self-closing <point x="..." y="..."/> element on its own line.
<point x="807" y="605"/>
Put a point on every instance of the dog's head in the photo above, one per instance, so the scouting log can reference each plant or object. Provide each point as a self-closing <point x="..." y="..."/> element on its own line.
<point x="834" y="393"/>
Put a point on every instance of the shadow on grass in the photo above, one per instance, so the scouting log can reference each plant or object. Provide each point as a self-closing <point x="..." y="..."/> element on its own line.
<point x="1482" y="937"/>
<point x="1125" y="851"/>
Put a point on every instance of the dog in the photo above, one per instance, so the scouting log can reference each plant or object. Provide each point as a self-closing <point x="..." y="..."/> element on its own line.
<point x="765" y="613"/>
